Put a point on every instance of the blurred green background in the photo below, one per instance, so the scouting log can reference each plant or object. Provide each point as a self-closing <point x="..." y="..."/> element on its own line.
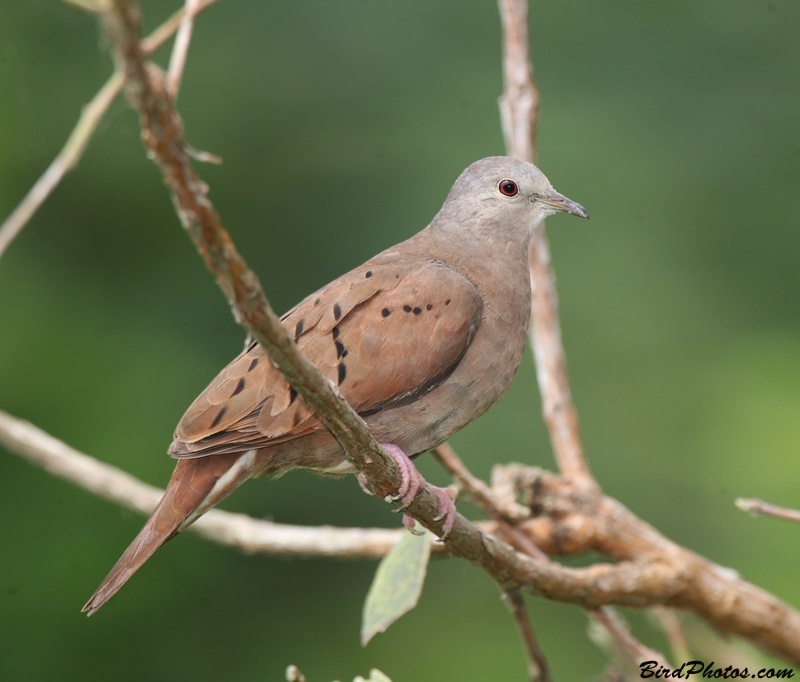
<point x="342" y="126"/>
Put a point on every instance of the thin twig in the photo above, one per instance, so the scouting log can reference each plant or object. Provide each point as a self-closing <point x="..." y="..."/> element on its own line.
<point x="64" y="162"/>
<point x="489" y="503"/>
<point x="758" y="507"/>
<point x="628" y="646"/>
<point x="164" y="32"/>
<point x="518" y="107"/>
<point x="481" y="494"/>
<point x="538" y="668"/>
<point x="76" y="143"/>
<point x="519" y="104"/>
<point x="671" y="625"/>
<point x="177" y="60"/>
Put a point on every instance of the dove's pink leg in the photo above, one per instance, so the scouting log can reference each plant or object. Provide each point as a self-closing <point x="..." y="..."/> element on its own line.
<point x="411" y="482"/>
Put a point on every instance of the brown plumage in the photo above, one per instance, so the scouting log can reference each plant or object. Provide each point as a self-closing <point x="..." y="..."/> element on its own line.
<point x="421" y="340"/>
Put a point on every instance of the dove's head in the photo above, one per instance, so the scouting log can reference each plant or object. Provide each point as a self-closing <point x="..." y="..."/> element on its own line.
<point x="503" y="198"/>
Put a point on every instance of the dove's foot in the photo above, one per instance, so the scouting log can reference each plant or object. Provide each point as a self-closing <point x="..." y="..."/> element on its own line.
<point x="411" y="481"/>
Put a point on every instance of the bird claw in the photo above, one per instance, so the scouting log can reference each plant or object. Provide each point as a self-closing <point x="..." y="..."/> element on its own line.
<point x="411" y="481"/>
<point x="447" y="508"/>
<point x="409" y="522"/>
<point x="363" y="484"/>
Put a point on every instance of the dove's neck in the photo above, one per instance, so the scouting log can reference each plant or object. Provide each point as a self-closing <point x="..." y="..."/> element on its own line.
<point x="486" y="251"/>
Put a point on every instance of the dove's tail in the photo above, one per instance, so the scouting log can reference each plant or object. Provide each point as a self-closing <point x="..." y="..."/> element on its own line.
<point x="196" y="486"/>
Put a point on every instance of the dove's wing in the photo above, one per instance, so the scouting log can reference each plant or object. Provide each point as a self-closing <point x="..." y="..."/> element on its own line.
<point x="385" y="333"/>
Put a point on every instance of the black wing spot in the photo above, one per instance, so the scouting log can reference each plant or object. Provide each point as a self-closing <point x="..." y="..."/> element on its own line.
<point x="386" y="312"/>
<point x="447" y="302"/>
<point x="298" y="330"/>
<point x="407" y="308"/>
<point x="337" y="311"/>
<point x="335" y="333"/>
<point x="429" y="306"/>
<point x="341" y="351"/>
<point x="292" y="395"/>
<point x="253" y="364"/>
<point x="417" y="311"/>
<point x="368" y="274"/>
<point x="342" y="372"/>
<point x="219" y="416"/>
<point x="317" y="301"/>
<point x="239" y="387"/>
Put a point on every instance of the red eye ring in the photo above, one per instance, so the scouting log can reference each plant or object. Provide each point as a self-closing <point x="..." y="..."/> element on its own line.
<point x="508" y="188"/>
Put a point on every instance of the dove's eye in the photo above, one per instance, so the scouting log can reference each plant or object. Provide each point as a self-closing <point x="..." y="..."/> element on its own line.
<point x="508" y="188"/>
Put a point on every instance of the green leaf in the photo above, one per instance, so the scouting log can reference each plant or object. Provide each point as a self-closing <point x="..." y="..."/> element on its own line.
<point x="397" y="584"/>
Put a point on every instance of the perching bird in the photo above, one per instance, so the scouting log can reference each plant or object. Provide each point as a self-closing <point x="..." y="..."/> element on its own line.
<point x="421" y="339"/>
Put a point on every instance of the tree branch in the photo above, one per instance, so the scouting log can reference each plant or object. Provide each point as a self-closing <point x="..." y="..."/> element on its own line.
<point x="239" y="531"/>
<point x="538" y="668"/>
<point x="652" y="570"/>
<point x="177" y="60"/>
<point x="568" y="520"/>
<point x="568" y="514"/>
<point x="631" y="649"/>
<point x="163" y="136"/>
<point x="758" y="507"/>
<point x="505" y="512"/>
<point x="90" y="118"/>
<point x="519" y="106"/>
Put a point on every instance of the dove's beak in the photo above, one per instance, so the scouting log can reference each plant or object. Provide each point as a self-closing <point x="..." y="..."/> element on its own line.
<point x="559" y="202"/>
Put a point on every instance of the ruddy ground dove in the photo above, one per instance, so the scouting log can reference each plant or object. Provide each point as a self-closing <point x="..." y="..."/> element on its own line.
<point x="421" y="339"/>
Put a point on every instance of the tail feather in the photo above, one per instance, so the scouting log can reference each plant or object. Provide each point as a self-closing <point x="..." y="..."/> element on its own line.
<point x="195" y="487"/>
